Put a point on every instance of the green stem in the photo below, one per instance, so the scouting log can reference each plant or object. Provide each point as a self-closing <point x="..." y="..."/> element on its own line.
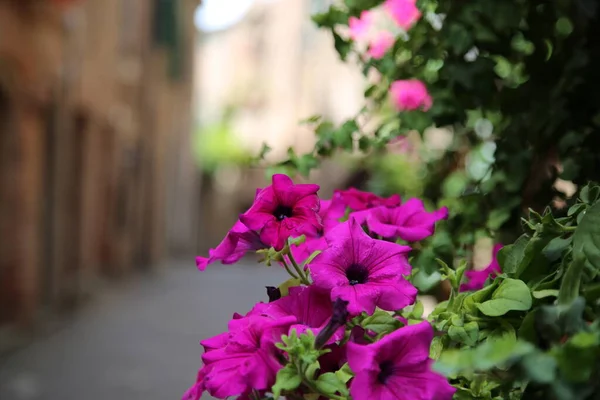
<point x="287" y="268"/>
<point x="301" y="274"/>
<point x="312" y="387"/>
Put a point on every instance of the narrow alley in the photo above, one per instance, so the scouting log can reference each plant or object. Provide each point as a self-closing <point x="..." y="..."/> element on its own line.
<point x="139" y="339"/>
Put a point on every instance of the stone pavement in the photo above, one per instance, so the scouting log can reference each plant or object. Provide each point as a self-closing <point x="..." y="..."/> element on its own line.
<point x="138" y="340"/>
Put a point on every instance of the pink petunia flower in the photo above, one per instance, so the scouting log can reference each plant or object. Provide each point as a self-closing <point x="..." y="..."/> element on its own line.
<point x="397" y="367"/>
<point x="357" y="200"/>
<point x="404" y="12"/>
<point x="332" y="211"/>
<point x="303" y="251"/>
<point x="410" y="95"/>
<point x="238" y="241"/>
<point x="477" y="278"/>
<point x="365" y="272"/>
<point x="246" y="357"/>
<point x="310" y="307"/>
<point x="410" y="221"/>
<point x="381" y="44"/>
<point x="359" y="27"/>
<point x="283" y="210"/>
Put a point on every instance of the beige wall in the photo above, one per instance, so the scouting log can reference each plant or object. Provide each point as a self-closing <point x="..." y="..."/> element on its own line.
<point x="100" y="179"/>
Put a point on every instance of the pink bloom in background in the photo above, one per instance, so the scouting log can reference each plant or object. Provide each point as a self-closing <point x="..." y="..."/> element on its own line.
<point x="381" y="44"/>
<point x="477" y="278"/>
<point x="310" y="307"/>
<point x="410" y="95"/>
<point x="359" y="27"/>
<point x="237" y="243"/>
<point x="410" y="221"/>
<point x="283" y="210"/>
<point x="245" y="358"/>
<point x="357" y="200"/>
<point x="397" y="367"/>
<point x="404" y="12"/>
<point x="365" y="272"/>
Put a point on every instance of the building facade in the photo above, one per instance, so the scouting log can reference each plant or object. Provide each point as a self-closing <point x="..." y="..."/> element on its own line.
<point x="96" y="176"/>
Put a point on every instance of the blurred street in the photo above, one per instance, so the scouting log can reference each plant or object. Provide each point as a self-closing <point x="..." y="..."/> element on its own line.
<point x="139" y="339"/>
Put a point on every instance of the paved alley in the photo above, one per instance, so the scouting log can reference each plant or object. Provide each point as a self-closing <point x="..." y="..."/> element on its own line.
<point x="138" y="340"/>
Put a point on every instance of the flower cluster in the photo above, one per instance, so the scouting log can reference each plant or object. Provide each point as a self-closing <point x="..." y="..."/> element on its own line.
<point x="379" y="28"/>
<point x="352" y="265"/>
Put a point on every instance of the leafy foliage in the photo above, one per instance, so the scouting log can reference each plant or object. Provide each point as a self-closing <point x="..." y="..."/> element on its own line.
<point x="512" y="83"/>
<point x="512" y="80"/>
<point x="532" y="332"/>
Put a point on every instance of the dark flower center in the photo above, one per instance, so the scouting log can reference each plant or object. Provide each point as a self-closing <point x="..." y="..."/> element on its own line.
<point x="282" y="212"/>
<point x="386" y="369"/>
<point x="357" y="274"/>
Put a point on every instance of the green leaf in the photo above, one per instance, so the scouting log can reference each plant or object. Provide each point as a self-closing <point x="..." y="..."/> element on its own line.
<point x="586" y="240"/>
<point x="563" y="26"/>
<point x="417" y="311"/>
<point x="471" y="301"/>
<point x="381" y="322"/>
<point x="344" y="374"/>
<point x="492" y="353"/>
<point x="466" y="334"/>
<point x="330" y="384"/>
<point x="510" y="257"/>
<point x="311" y="257"/>
<point x="287" y="379"/>
<point x="512" y="295"/>
<point x="342" y="46"/>
<point x="296" y="240"/>
<point x="284" y="287"/>
<point x="556" y="247"/>
<point x="437" y="345"/>
<point x="540" y="367"/>
<point x="331" y="18"/>
<point x="541" y="294"/>
<point x="312" y="369"/>
<point x="578" y="358"/>
<point x="497" y="218"/>
<point x="569" y="288"/>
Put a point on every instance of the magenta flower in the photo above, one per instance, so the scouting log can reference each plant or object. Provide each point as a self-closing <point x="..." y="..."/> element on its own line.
<point x="381" y="44"/>
<point x="477" y="279"/>
<point x="303" y="251"/>
<point x="410" y="221"/>
<point x="397" y="367"/>
<point x="238" y="241"/>
<point x="410" y="95"/>
<point x="310" y="307"/>
<point x="404" y="12"/>
<point x="357" y="200"/>
<point x="283" y="210"/>
<point x="332" y="211"/>
<point x="359" y="26"/>
<point x="365" y="272"/>
<point x="248" y="359"/>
